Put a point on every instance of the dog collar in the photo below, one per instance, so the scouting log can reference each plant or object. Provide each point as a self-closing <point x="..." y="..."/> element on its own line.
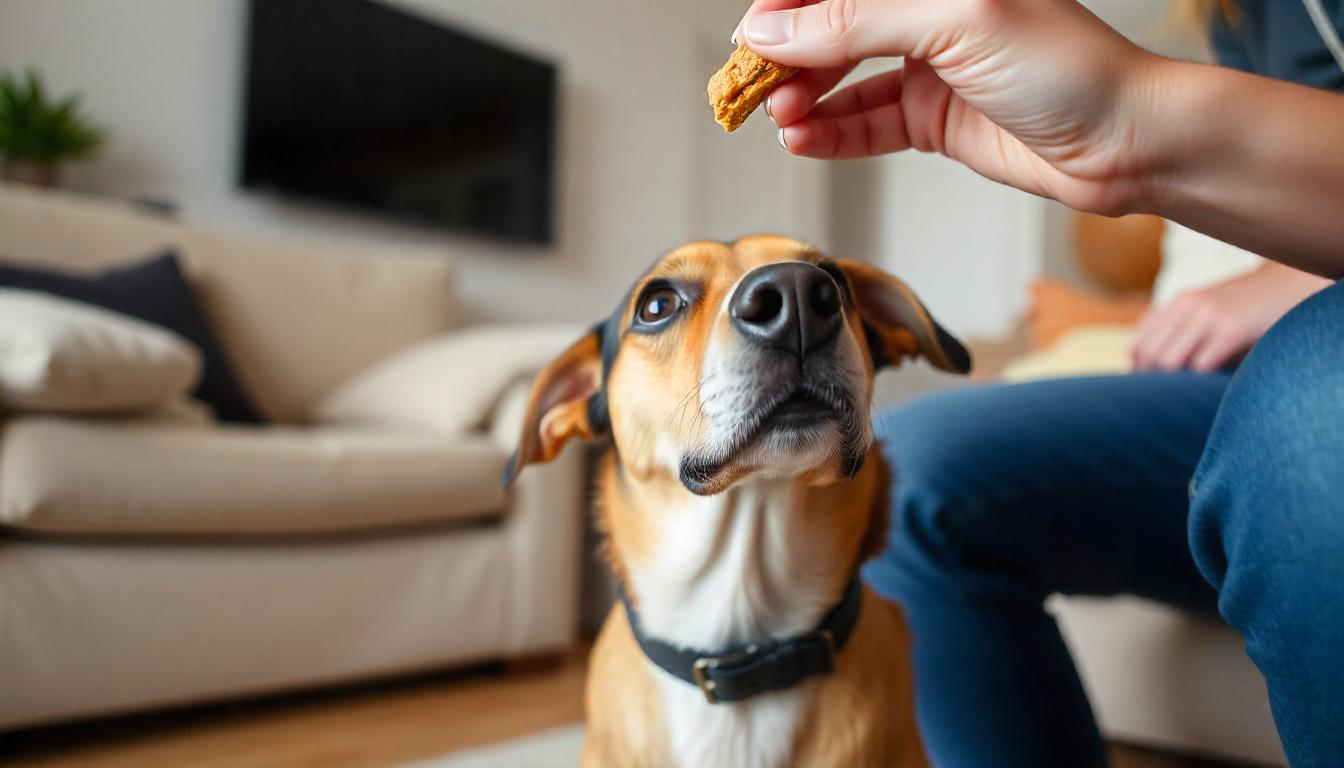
<point x="749" y="670"/>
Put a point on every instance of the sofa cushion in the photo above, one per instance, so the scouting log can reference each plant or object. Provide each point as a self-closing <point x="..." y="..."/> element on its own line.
<point x="58" y="355"/>
<point x="297" y="317"/>
<point x="136" y="477"/>
<point x="156" y="292"/>
<point x="448" y="384"/>
<point x="1089" y="350"/>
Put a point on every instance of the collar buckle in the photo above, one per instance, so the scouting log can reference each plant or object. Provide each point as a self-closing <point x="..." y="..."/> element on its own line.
<point x="700" y="671"/>
<point x="829" y="638"/>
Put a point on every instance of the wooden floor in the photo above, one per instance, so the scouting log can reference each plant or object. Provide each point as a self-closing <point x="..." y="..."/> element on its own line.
<point x="372" y="725"/>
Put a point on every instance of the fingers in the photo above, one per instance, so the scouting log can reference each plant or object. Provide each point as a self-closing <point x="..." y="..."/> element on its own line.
<point x="1180" y="347"/>
<point x="766" y="6"/>
<point x="872" y="132"/>
<point x="877" y="91"/>
<point x="793" y="100"/>
<point x="1155" y="334"/>
<point x="1184" y="335"/>
<point x="889" y="112"/>
<point x="1216" y="353"/>
<point x="1194" y="332"/>
<point x="864" y="119"/>
<point x="834" y="33"/>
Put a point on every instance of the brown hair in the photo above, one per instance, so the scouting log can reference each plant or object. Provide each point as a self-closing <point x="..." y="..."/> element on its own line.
<point x="1195" y="15"/>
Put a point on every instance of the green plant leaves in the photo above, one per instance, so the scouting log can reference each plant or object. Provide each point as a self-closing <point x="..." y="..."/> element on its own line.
<point x="32" y="128"/>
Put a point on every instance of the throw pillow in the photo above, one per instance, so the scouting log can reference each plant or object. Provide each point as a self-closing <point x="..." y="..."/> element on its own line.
<point x="58" y="355"/>
<point x="154" y="291"/>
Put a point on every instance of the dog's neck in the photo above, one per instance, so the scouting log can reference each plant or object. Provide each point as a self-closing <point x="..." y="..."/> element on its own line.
<point x="765" y="559"/>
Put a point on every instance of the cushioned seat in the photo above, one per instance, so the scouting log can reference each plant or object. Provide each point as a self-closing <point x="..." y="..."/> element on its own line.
<point x="88" y="477"/>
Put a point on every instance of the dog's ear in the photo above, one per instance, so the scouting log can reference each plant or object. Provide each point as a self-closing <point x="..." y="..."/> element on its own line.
<point x="896" y="322"/>
<point x="558" y="407"/>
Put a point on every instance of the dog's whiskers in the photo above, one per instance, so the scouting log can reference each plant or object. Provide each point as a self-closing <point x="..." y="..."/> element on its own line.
<point x="679" y="412"/>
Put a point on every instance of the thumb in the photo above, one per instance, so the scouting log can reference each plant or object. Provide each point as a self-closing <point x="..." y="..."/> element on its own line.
<point x="835" y="33"/>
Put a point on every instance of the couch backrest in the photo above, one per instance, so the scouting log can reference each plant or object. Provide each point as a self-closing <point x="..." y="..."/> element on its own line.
<point x="296" y="318"/>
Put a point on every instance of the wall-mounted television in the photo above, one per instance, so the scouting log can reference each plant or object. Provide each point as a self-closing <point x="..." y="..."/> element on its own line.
<point x="361" y="103"/>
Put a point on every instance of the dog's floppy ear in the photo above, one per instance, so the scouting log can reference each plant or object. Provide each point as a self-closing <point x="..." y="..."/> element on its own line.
<point x="896" y="322"/>
<point x="558" y="407"/>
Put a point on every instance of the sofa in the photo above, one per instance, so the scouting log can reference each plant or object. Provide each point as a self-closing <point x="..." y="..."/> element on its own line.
<point x="156" y="559"/>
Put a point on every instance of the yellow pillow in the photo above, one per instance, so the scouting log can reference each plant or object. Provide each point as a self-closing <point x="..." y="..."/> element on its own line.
<point x="1084" y="351"/>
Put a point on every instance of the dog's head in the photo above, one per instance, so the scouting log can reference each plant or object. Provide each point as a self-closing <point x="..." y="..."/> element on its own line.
<point x="726" y="360"/>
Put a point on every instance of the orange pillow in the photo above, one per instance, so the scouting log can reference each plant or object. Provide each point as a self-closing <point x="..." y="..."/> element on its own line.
<point x="1119" y="255"/>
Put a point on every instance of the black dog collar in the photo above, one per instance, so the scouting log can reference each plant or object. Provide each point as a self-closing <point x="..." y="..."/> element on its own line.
<point x="740" y="673"/>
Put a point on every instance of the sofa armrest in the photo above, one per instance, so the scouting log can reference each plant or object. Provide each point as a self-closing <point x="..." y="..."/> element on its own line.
<point x="449" y="384"/>
<point x="506" y="419"/>
<point x="544" y="527"/>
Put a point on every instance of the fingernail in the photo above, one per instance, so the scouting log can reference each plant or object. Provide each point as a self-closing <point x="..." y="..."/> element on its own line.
<point x="769" y="113"/>
<point x="733" y="39"/>
<point x="770" y="28"/>
<point x="782" y="141"/>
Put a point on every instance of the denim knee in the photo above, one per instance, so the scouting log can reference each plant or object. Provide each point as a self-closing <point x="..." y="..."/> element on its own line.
<point x="1267" y="521"/>
<point x="1271" y="479"/>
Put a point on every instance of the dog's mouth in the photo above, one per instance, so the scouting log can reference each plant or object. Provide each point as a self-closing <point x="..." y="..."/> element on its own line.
<point x="799" y="410"/>
<point x="790" y="421"/>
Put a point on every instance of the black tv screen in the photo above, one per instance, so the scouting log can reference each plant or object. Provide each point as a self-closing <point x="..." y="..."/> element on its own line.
<point x="359" y="103"/>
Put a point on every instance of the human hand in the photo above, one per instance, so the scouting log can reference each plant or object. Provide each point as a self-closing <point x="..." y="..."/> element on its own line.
<point x="1039" y="95"/>
<point x="1211" y="328"/>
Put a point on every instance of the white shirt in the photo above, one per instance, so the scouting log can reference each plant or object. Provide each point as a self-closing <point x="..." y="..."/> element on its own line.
<point x="1191" y="261"/>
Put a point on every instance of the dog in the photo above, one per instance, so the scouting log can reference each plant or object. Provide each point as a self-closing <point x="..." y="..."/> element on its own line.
<point x="741" y="492"/>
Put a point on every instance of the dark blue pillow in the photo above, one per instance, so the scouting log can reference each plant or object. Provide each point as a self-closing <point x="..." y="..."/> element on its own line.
<point x="154" y="291"/>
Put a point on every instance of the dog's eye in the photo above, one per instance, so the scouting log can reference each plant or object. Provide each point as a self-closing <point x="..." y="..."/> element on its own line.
<point x="659" y="306"/>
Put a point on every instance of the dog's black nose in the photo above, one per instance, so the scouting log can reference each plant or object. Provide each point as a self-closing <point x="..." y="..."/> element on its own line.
<point x="793" y="306"/>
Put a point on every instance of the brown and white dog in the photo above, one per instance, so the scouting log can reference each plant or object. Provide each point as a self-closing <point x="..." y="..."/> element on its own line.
<point x="741" y="493"/>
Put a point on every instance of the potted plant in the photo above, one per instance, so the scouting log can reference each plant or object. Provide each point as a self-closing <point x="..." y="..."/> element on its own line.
<point x="37" y="135"/>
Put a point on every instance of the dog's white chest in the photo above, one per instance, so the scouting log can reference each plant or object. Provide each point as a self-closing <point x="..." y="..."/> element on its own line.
<point x="733" y="569"/>
<point x="756" y="733"/>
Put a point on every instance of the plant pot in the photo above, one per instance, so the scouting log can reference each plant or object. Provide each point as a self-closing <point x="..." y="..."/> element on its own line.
<point x="33" y="172"/>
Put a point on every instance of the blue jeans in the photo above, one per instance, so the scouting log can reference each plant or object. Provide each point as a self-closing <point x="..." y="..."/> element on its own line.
<point x="1007" y="494"/>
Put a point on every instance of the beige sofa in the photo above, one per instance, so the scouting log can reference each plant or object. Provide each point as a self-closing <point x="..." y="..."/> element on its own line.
<point x="156" y="561"/>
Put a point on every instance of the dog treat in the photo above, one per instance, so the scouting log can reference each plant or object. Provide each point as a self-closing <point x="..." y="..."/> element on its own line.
<point x="739" y="88"/>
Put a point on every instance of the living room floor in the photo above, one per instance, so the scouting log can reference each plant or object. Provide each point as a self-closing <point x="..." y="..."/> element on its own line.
<point x="377" y="724"/>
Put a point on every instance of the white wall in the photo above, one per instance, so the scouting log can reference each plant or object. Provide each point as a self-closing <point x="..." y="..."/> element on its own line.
<point x="165" y="77"/>
<point x="969" y="247"/>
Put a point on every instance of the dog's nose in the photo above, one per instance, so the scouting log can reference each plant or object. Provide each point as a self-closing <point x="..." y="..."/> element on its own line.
<point x="793" y="306"/>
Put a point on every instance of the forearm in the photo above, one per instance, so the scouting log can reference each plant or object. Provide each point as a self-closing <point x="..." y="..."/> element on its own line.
<point x="1287" y="285"/>
<point x="1254" y="162"/>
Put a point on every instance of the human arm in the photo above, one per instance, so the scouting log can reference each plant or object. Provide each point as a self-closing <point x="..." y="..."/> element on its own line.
<point x="1254" y="162"/>
<point x="1047" y="98"/>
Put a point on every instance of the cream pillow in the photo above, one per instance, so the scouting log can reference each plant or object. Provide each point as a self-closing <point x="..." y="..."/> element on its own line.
<point x="61" y="355"/>
<point x="448" y="384"/>
<point x="1089" y="350"/>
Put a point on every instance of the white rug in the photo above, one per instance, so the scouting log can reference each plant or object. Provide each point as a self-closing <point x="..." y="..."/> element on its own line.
<point x="556" y="748"/>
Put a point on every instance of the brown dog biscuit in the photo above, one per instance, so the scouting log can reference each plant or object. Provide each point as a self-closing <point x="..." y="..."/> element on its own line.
<point x="739" y="88"/>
